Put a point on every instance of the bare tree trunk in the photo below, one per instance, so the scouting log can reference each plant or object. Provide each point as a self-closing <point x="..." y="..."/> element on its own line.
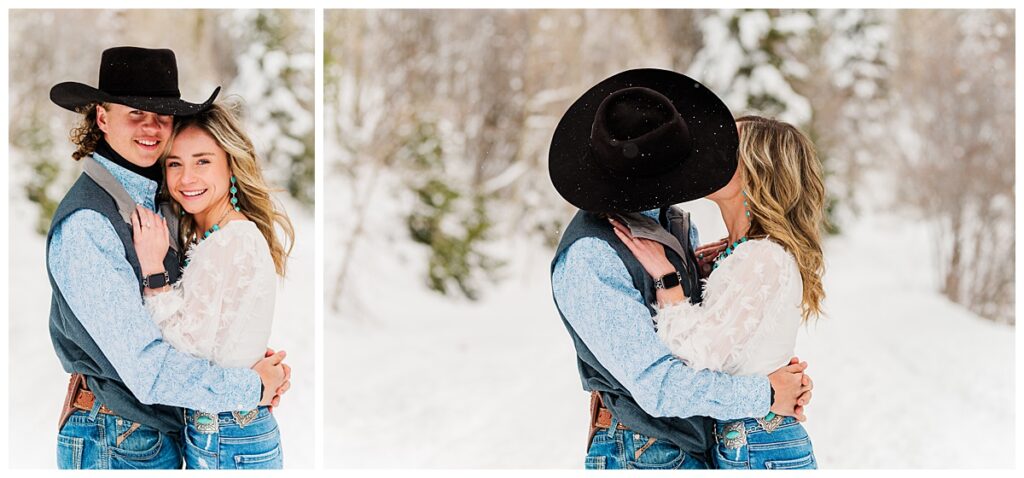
<point x="951" y="287"/>
<point x="360" y="208"/>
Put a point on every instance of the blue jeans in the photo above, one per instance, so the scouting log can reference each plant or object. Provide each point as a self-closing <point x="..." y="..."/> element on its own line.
<point x="745" y="444"/>
<point x="232" y="440"/>
<point x="91" y="440"/>
<point x="613" y="449"/>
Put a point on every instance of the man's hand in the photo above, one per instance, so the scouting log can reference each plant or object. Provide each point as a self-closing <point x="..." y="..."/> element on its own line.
<point x="274" y="402"/>
<point x="273" y="375"/>
<point x="807" y="384"/>
<point x="790" y="389"/>
<point x="706" y="255"/>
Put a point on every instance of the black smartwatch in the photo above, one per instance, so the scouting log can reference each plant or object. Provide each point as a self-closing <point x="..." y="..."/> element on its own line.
<point x="668" y="281"/>
<point x="156" y="281"/>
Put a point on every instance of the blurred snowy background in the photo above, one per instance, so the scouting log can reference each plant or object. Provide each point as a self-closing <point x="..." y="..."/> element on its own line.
<point x="446" y="348"/>
<point x="264" y="61"/>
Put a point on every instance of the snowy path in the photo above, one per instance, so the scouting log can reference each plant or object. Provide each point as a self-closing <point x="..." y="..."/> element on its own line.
<point x="904" y="379"/>
<point x="38" y="384"/>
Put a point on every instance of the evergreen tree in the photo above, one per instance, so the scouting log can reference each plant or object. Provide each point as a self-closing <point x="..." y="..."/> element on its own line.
<point x="749" y="58"/>
<point x="449" y="218"/>
<point x="274" y="77"/>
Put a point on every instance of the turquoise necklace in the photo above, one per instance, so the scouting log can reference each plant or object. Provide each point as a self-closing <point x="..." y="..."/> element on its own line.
<point x="208" y="232"/>
<point x="216" y="225"/>
<point x="732" y="248"/>
<point x="728" y="251"/>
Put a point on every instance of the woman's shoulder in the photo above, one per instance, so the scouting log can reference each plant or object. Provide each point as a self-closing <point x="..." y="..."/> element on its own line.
<point x="237" y="230"/>
<point x="763" y="245"/>
<point x="765" y="251"/>
<point x="240" y="236"/>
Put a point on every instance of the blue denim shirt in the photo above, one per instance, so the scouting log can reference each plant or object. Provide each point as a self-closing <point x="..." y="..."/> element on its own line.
<point x="88" y="264"/>
<point x="597" y="297"/>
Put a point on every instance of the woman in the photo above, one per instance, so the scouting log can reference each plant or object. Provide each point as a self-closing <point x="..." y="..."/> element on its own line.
<point x="765" y="283"/>
<point x="223" y="306"/>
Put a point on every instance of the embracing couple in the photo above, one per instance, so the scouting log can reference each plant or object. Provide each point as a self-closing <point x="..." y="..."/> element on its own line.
<point x="163" y="262"/>
<point x="687" y="351"/>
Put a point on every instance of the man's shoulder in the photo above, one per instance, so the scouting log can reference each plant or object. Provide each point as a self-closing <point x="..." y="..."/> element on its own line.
<point x="81" y="222"/>
<point x="86" y="201"/>
<point x="590" y="247"/>
<point x="588" y="256"/>
<point x="78" y="196"/>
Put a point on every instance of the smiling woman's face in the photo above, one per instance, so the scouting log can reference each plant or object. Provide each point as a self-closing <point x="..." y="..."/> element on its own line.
<point x="197" y="171"/>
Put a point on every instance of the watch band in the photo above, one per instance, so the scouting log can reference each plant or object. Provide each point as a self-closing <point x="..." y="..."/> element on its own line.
<point x="156" y="281"/>
<point x="669" y="280"/>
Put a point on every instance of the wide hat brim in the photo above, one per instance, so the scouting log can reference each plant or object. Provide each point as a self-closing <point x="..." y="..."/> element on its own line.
<point x="591" y="186"/>
<point x="73" y="96"/>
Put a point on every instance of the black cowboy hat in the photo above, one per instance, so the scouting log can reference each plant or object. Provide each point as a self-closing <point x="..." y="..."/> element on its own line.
<point x="141" y="78"/>
<point x="643" y="139"/>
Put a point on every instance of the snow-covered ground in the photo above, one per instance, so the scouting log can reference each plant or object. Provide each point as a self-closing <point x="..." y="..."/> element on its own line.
<point x="37" y="382"/>
<point x="903" y="378"/>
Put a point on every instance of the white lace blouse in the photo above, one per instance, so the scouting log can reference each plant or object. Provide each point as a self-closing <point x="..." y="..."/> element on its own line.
<point x="223" y="306"/>
<point x="747" y="322"/>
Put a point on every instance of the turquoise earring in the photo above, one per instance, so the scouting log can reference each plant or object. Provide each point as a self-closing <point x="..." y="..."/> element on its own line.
<point x="746" y="206"/>
<point x="234" y="191"/>
<point x="732" y="247"/>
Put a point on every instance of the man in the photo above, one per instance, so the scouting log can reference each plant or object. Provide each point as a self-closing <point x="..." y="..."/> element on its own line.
<point x="122" y="407"/>
<point x="633" y="145"/>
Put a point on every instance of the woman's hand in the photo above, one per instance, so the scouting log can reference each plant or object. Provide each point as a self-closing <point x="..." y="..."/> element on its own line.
<point x="651" y="254"/>
<point x="151" y="238"/>
<point x="706" y="255"/>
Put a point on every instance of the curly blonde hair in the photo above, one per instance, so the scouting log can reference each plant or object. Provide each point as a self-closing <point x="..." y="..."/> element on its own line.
<point x="253" y="192"/>
<point x="87" y="133"/>
<point x="785" y="188"/>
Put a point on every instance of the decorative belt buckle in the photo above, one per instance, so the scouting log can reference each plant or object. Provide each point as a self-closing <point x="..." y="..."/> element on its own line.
<point x="770" y="422"/>
<point x="206" y="422"/>
<point x="245" y="418"/>
<point x="734" y="435"/>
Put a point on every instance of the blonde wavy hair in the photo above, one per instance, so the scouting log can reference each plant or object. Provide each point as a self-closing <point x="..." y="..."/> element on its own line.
<point x="253" y="192"/>
<point x="782" y="177"/>
<point x="87" y="133"/>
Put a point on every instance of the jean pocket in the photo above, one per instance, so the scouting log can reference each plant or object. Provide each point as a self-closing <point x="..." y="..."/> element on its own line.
<point x="199" y="455"/>
<point x="270" y="460"/>
<point x="136" y="442"/>
<point x="653" y="454"/>
<point x="69" y="452"/>
<point x="595" y="463"/>
<point x="731" y="458"/>
<point x="802" y="463"/>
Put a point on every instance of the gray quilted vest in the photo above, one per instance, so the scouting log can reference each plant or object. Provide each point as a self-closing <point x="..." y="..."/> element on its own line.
<point x="98" y="190"/>
<point x="692" y="435"/>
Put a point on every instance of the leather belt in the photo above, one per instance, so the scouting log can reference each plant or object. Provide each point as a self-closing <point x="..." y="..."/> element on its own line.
<point x="604" y="420"/>
<point x="85" y="400"/>
<point x="600" y="418"/>
<point x="79" y="397"/>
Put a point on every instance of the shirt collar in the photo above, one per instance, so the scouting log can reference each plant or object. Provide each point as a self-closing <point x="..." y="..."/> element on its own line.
<point x="652" y="213"/>
<point x="142" y="190"/>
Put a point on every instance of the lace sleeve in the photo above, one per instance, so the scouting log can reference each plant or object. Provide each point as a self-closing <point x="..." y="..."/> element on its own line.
<point x="230" y="280"/>
<point x="745" y="298"/>
<point x="165" y="306"/>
